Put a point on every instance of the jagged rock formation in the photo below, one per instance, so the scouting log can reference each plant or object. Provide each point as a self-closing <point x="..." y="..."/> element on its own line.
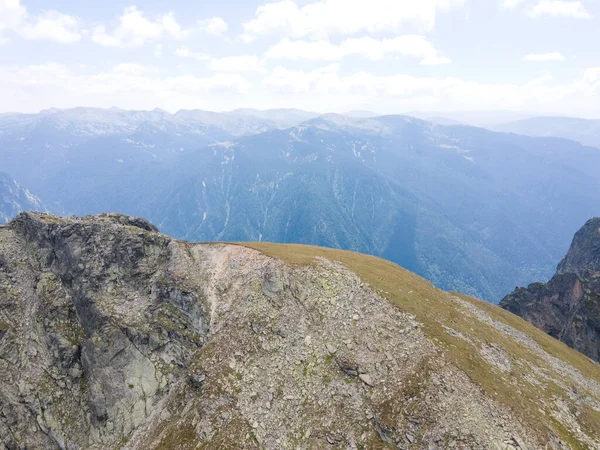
<point x="115" y="336"/>
<point x="568" y="306"/>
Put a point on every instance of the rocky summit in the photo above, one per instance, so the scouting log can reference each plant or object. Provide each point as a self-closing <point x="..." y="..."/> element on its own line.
<point x="568" y="306"/>
<point x="114" y="336"/>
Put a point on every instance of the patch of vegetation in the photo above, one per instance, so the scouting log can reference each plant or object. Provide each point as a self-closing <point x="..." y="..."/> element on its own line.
<point x="50" y="218"/>
<point x="414" y="385"/>
<point x="121" y="443"/>
<point x="589" y="419"/>
<point x="550" y="345"/>
<point x="256" y="286"/>
<point x="182" y="436"/>
<point x="568" y="436"/>
<point x="235" y="433"/>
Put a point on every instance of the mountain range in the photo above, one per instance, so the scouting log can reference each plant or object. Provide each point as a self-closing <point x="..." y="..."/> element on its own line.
<point x="472" y="210"/>
<point x="585" y="131"/>
<point x="472" y="118"/>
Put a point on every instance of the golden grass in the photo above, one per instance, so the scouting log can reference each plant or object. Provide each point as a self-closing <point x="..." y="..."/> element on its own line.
<point x="552" y="346"/>
<point x="436" y="309"/>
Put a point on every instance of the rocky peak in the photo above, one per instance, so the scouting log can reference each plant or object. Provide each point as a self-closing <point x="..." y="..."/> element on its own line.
<point x="584" y="253"/>
<point x="113" y="335"/>
<point x="568" y="306"/>
<point x="35" y="221"/>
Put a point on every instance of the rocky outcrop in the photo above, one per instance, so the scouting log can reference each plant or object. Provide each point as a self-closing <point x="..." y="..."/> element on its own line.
<point x="568" y="306"/>
<point x="113" y="336"/>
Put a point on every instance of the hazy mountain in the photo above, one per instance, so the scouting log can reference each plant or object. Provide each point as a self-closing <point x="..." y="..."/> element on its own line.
<point x="113" y="335"/>
<point x="235" y="125"/>
<point x="472" y="210"/>
<point x="445" y="121"/>
<point x="284" y="118"/>
<point x="242" y="122"/>
<point x="484" y="119"/>
<point x="35" y="147"/>
<point x="360" y="114"/>
<point x="581" y="130"/>
<point x="14" y="199"/>
<point x="81" y="121"/>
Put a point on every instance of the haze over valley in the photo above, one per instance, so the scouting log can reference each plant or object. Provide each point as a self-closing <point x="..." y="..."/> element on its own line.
<point x="467" y="208"/>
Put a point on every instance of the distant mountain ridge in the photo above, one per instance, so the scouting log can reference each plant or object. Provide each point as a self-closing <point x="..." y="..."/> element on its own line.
<point x="99" y="121"/>
<point x="471" y="210"/>
<point x="585" y="131"/>
<point x="485" y="119"/>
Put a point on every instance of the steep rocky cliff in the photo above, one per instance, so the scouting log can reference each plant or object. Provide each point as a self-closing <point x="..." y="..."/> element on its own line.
<point x="113" y="336"/>
<point x="568" y="306"/>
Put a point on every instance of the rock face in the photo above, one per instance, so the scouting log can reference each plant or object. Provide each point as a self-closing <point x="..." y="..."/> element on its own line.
<point x="115" y="336"/>
<point x="568" y="306"/>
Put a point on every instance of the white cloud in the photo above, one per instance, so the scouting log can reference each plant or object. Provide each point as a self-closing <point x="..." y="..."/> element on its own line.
<point x="12" y="13"/>
<point x="185" y="52"/>
<point x="396" y="93"/>
<point x="343" y="17"/>
<point x="294" y="81"/>
<point x="367" y="47"/>
<point x="214" y="27"/>
<point x="129" y="85"/>
<point x="135" y="29"/>
<point x="35" y="75"/>
<point x="555" y="56"/>
<point x="49" y="25"/>
<point x="52" y="26"/>
<point x="560" y="8"/>
<point x="158" y="51"/>
<point x="305" y="50"/>
<point x="132" y="68"/>
<point x="227" y="64"/>
<point x="133" y="86"/>
<point x="242" y="63"/>
<point x="592" y="77"/>
<point x="512" y="4"/>
<point x="221" y="82"/>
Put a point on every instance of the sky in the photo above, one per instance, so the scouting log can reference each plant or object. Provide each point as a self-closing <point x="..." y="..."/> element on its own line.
<point x="386" y="56"/>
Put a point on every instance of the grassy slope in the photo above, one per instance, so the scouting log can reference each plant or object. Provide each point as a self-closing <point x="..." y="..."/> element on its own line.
<point x="437" y="309"/>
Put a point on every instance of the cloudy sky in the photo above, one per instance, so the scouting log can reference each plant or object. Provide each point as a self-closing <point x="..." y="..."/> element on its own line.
<point x="388" y="56"/>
